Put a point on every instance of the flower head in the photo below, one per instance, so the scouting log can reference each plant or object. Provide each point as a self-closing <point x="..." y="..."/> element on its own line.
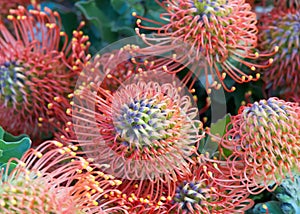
<point x="224" y="33"/>
<point x="281" y="28"/>
<point x="264" y="138"/>
<point x="210" y="188"/>
<point x="52" y="179"/>
<point x="35" y="73"/>
<point x="146" y="129"/>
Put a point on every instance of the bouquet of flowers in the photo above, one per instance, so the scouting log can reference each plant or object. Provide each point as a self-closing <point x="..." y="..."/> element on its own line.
<point x="165" y="106"/>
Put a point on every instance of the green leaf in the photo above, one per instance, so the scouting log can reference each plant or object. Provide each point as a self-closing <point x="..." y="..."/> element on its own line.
<point x="11" y="167"/>
<point x="120" y="6"/>
<point x="12" y="146"/>
<point x="139" y="9"/>
<point x="273" y="207"/>
<point x="98" y="18"/>
<point x="152" y="5"/>
<point x="218" y="129"/>
<point x="123" y="30"/>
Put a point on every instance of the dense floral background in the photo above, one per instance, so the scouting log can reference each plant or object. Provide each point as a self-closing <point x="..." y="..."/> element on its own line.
<point x="150" y="106"/>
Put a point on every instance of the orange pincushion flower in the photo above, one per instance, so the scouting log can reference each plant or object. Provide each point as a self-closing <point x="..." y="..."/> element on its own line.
<point x="210" y="188"/>
<point x="145" y="130"/>
<point x="265" y="140"/>
<point x="35" y="73"/>
<point x="281" y="28"/>
<point x="52" y="179"/>
<point x="224" y="33"/>
<point x="137" y="127"/>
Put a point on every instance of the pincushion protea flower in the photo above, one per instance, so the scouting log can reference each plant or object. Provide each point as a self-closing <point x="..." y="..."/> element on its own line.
<point x="35" y="74"/>
<point x="281" y="28"/>
<point x="143" y="130"/>
<point x="208" y="189"/>
<point x="52" y="179"/>
<point x="265" y="139"/>
<point x="222" y="32"/>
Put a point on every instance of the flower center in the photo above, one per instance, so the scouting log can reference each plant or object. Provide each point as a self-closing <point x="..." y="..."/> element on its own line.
<point x="265" y="109"/>
<point x="12" y="83"/>
<point x="208" y="7"/>
<point x="190" y="194"/>
<point x="144" y="118"/>
<point x="284" y="32"/>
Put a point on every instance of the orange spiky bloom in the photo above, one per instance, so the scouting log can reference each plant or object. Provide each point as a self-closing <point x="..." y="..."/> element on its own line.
<point x="52" y="179"/>
<point x="147" y="121"/>
<point x="221" y="33"/>
<point x="35" y="73"/>
<point x="109" y="70"/>
<point x="137" y="128"/>
<point x="281" y="28"/>
<point x="210" y="188"/>
<point x="264" y="138"/>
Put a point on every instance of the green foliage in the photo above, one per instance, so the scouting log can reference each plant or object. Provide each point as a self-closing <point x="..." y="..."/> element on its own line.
<point x="273" y="207"/>
<point x="12" y="146"/>
<point x="110" y="20"/>
<point x="218" y="129"/>
<point x="288" y="194"/>
<point x="284" y="200"/>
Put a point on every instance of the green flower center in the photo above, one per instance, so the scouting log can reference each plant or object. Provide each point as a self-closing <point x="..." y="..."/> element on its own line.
<point x="12" y="84"/>
<point x="31" y="195"/>
<point x="269" y="114"/>
<point x="144" y="121"/>
<point x="190" y="194"/>
<point x="208" y="7"/>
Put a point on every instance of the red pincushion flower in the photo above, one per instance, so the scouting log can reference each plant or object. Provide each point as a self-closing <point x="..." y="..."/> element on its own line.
<point x="210" y="188"/>
<point x="265" y="141"/>
<point x="281" y="28"/>
<point x="145" y="130"/>
<point x="223" y="33"/>
<point x="52" y="179"/>
<point x="35" y="73"/>
<point x="144" y="127"/>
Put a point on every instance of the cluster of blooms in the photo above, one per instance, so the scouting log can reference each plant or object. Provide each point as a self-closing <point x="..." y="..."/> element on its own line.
<point x="35" y="73"/>
<point x="128" y="141"/>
